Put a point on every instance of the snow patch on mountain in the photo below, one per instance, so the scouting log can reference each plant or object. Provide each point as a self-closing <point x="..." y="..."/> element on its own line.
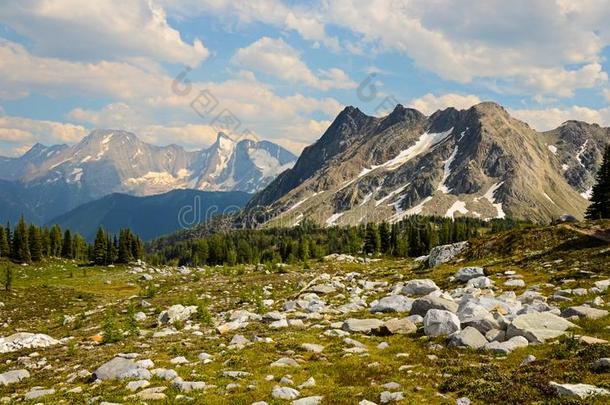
<point x="458" y="206"/>
<point x="490" y="196"/>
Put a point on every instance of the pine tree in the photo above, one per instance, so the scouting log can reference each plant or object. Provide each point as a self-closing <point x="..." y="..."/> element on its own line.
<point x="99" y="247"/>
<point x="55" y="240"/>
<point x="125" y="243"/>
<point x="21" y="248"/>
<point x="600" y="197"/>
<point x="372" y="241"/>
<point x="66" y="245"/>
<point x="5" y="250"/>
<point x="385" y="237"/>
<point x="35" y="242"/>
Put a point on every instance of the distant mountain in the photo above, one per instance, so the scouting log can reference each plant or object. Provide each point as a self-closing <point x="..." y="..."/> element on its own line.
<point x="151" y="216"/>
<point x="54" y="180"/>
<point x="479" y="162"/>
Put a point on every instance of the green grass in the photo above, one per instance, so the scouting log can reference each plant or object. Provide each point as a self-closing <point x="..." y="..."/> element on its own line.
<point x="43" y="294"/>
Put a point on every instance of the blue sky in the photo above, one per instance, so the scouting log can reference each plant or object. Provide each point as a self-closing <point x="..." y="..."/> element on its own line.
<point x="284" y="69"/>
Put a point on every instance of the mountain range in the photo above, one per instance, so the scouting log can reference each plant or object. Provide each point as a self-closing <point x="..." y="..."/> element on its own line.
<point x="48" y="181"/>
<point x="150" y="216"/>
<point x="478" y="162"/>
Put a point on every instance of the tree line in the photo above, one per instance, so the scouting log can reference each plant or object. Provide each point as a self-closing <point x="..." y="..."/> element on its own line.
<point x="414" y="236"/>
<point x="27" y="243"/>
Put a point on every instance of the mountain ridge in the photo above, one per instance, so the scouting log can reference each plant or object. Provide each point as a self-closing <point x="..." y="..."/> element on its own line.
<point x="53" y="180"/>
<point x="479" y="161"/>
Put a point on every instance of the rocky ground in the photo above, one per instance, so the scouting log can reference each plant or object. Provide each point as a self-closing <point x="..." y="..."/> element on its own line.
<point x="519" y="317"/>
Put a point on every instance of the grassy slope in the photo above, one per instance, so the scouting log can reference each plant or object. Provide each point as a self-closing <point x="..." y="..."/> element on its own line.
<point x="42" y="296"/>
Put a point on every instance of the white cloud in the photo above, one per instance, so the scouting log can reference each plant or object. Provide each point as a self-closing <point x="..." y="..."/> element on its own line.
<point x="20" y="133"/>
<point x="22" y="73"/>
<point x="100" y="30"/>
<point x="430" y="103"/>
<point x="302" y="18"/>
<point x="550" y="118"/>
<point x="275" y="57"/>
<point x="539" y="47"/>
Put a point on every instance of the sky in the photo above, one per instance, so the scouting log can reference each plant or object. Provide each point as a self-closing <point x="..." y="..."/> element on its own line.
<point x="179" y="71"/>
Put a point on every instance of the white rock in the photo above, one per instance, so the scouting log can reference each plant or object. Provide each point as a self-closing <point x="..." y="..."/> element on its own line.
<point x="438" y="322"/>
<point x="581" y="391"/>
<point x="419" y="287"/>
<point x="466" y="273"/>
<point x="285" y="393"/>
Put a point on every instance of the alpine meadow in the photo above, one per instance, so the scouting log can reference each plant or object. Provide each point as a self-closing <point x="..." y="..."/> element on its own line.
<point x="267" y="202"/>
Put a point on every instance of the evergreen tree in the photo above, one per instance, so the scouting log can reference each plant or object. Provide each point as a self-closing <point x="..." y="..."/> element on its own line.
<point x="46" y="242"/>
<point x="385" y="238"/>
<point x="372" y="241"/>
<point x="35" y="242"/>
<point x="66" y="246"/>
<point x="99" y="247"/>
<point x="600" y="197"/>
<point x="55" y="241"/>
<point x="5" y="250"/>
<point x="125" y="246"/>
<point x="21" y="248"/>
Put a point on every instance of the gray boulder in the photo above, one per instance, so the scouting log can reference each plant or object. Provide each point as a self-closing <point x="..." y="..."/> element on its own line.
<point x="466" y="273"/>
<point x="584" y="312"/>
<point x="445" y="253"/>
<point x="366" y="326"/>
<point x="419" y="287"/>
<point x="422" y="305"/>
<point x="581" y="391"/>
<point x="177" y="313"/>
<point x="469" y="338"/>
<point x="480" y="282"/>
<point x="438" y="322"/>
<point x="392" y="303"/>
<point x="537" y="327"/>
<point x="398" y="327"/>
<point x="13" y="376"/>
<point x="25" y="340"/>
<point x="508" y="346"/>
<point x="121" y="368"/>
<point x="284" y="393"/>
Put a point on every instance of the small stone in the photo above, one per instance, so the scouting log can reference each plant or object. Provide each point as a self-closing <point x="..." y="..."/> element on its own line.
<point x="285" y="393"/>
<point x="285" y="362"/>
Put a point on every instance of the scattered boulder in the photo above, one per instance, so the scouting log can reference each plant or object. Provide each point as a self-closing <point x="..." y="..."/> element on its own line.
<point x="419" y="287"/>
<point x="444" y="253"/>
<point x="313" y="348"/>
<point x="515" y="282"/>
<point x="537" y="327"/>
<point x="366" y="326"/>
<point x="438" y="322"/>
<point x="466" y="273"/>
<point x="38" y="393"/>
<point x="392" y="303"/>
<point x="176" y="313"/>
<point x="13" y="376"/>
<point x="315" y="400"/>
<point x="25" y="340"/>
<point x="285" y="362"/>
<point x="508" y="346"/>
<point x="469" y="337"/>
<point x="581" y="391"/>
<point x="121" y="368"/>
<point x="397" y="326"/>
<point x="424" y="304"/>
<point x="584" y="312"/>
<point x="285" y="393"/>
